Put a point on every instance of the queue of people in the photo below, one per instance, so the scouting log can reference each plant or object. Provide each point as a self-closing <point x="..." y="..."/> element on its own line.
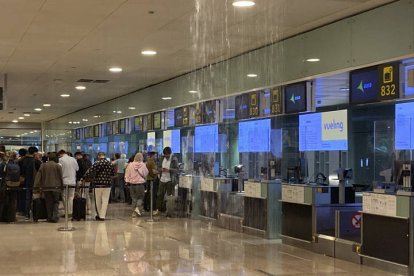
<point x="119" y="180"/>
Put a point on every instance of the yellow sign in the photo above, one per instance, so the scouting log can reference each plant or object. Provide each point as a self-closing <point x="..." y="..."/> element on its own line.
<point x="387" y="74"/>
<point x="334" y="125"/>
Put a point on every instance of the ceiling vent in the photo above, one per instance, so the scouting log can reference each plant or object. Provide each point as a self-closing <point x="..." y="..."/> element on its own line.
<point x="92" y="81"/>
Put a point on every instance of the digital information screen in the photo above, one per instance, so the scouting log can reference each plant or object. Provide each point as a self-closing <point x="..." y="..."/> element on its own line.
<point x="254" y="136"/>
<point x="404" y="126"/>
<point x="323" y="131"/>
<point x="169" y="118"/>
<point x="364" y="85"/>
<point x="295" y="98"/>
<point x="150" y="141"/>
<point x="206" y="139"/>
<point x="172" y="139"/>
<point x="157" y="120"/>
<point x="242" y="107"/>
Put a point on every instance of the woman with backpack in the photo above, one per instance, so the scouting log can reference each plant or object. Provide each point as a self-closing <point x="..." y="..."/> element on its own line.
<point x="135" y="175"/>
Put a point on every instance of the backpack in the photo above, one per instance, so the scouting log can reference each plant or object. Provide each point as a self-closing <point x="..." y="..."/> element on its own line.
<point x="12" y="174"/>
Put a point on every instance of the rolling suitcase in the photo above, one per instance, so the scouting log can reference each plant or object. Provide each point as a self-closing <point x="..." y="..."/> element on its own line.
<point x="39" y="209"/>
<point x="79" y="205"/>
<point x="174" y="207"/>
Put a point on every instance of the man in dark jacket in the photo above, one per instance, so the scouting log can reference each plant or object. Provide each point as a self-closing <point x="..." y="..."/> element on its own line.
<point x="28" y="169"/>
<point x="103" y="172"/>
<point x="49" y="179"/>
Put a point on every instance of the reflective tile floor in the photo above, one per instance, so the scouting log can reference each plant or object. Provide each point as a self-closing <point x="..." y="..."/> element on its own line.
<point x="122" y="245"/>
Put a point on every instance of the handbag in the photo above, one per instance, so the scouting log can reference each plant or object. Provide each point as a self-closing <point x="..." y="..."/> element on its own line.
<point x="9" y="183"/>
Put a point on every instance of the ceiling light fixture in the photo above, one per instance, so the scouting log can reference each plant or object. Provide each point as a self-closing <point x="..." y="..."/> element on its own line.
<point x="26" y="114"/>
<point x="115" y="69"/>
<point x="313" y="60"/>
<point x="119" y="112"/>
<point x="47" y="105"/>
<point x="38" y="109"/>
<point x="65" y="95"/>
<point x="31" y="132"/>
<point x="252" y="75"/>
<point x="149" y="53"/>
<point x="166" y="98"/>
<point x="193" y="91"/>
<point x="241" y="4"/>
<point x="69" y="122"/>
<point x="85" y="120"/>
<point x="15" y="121"/>
<point x="131" y="107"/>
<point x="97" y="116"/>
<point x="21" y="118"/>
<point x="80" y="87"/>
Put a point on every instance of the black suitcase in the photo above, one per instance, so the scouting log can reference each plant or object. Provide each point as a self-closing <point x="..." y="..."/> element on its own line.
<point x="8" y="204"/>
<point x="39" y="209"/>
<point x="79" y="208"/>
<point x="174" y="207"/>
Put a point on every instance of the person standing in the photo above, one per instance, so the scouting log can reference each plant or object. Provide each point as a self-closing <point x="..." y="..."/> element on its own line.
<point x="28" y="169"/>
<point x="169" y="175"/>
<point x="69" y="169"/>
<point x="120" y="164"/>
<point x="151" y="178"/>
<point x="135" y="176"/>
<point x="102" y="172"/>
<point x="83" y="168"/>
<point x="49" y="179"/>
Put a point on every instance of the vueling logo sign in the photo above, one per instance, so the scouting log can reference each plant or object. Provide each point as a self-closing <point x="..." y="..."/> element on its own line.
<point x="362" y="86"/>
<point x="294" y="98"/>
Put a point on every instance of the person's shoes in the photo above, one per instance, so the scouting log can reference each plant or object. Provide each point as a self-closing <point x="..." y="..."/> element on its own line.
<point x="99" y="219"/>
<point x="137" y="211"/>
<point x="52" y="220"/>
<point x="156" y="212"/>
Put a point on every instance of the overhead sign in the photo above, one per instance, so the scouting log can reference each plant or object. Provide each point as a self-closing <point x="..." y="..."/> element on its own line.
<point x="389" y="81"/>
<point x="276" y="101"/>
<point x="254" y="104"/>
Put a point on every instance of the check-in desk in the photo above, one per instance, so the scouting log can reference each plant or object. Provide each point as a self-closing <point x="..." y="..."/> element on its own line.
<point x="210" y="189"/>
<point x="388" y="231"/>
<point x="189" y="193"/>
<point x="262" y="208"/>
<point x="313" y="219"/>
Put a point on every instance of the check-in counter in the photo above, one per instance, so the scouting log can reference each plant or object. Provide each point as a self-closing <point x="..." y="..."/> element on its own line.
<point x="210" y="196"/>
<point x="313" y="219"/>
<point x="189" y="192"/>
<point x="388" y="232"/>
<point x="262" y="208"/>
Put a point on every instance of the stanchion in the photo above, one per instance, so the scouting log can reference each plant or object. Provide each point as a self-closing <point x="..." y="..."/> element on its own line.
<point x="151" y="219"/>
<point x="66" y="227"/>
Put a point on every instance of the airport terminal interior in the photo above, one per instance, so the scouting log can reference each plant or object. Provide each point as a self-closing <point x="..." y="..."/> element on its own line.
<point x="277" y="137"/>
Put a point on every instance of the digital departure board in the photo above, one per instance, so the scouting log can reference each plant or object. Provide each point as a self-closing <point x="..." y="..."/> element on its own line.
<point x="296" y="98"/>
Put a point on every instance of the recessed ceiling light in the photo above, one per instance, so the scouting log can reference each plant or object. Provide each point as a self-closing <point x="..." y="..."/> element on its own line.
<point x="80" y="87"/>
<point x="21" y="118"/>
<point x="17" y="135"/>
<point x="115" y="69"/>
<point x="15" y="121"/>
<point x="243" y="3"/>
<point x="47" y="105"/>
<point x="131" y="107"/>
<point x="149" y="53"/>
<point x="166" y="98"/>
<point x="313" y="60"/>
<point x="31" y="131"/>
<point x="252" y="75"/>
<point x="26" y="114"/>
<point x="97" y="116"/>
<point x="35" y="131"/>
<point x="69" y="122"/>
<point x="114" y="111"/>
<point x="193" y="91"/>
<point x="119" y="112"/>
<point x="65" y="95"/>
<point x="38" y="109"/>
<point x="85" y="120"/>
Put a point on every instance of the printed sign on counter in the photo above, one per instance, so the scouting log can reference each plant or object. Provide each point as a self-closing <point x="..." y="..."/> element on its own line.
<point x="207" y="184"/>
<point x="185" y="182"/>
<point x="379" y="204"/>
<point x="253" y="189"/>
<point x="294" y="194"/>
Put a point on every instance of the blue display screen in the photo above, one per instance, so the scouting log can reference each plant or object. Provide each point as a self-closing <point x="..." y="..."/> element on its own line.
<point x="254" y="136"/>
<point x="175" y="141"/>
<point x="364" y="85"/>
<point x="206" y="138"/>
<point x="323" y="131"/>
<point x="404" y="126"/>
<point x="295" y="98"/>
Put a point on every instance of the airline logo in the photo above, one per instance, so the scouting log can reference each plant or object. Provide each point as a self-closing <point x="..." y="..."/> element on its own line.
<point x="362" y="86"/>
<point x="334" y="125"/>
<point x="294" y="98"/>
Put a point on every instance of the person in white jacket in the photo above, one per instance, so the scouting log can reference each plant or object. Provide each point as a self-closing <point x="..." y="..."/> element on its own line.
<point x="135" y="176"/>
<point x="69" y="168"/>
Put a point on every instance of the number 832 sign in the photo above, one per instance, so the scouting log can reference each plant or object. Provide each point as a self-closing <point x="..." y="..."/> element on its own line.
<point x="389" y="81"/>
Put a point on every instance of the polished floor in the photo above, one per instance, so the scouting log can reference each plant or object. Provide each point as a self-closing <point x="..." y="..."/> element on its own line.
<point x="122" y="245"/>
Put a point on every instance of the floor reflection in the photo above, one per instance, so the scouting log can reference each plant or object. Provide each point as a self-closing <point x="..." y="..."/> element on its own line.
<point x="125" y="246"/>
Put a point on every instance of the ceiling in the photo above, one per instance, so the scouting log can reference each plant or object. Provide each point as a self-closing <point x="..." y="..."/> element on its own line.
<point x="46" y="46"/>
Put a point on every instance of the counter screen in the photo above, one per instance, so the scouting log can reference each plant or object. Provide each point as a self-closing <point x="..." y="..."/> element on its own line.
<point x="254" y="136"/>
<point x="206" y="138"/>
